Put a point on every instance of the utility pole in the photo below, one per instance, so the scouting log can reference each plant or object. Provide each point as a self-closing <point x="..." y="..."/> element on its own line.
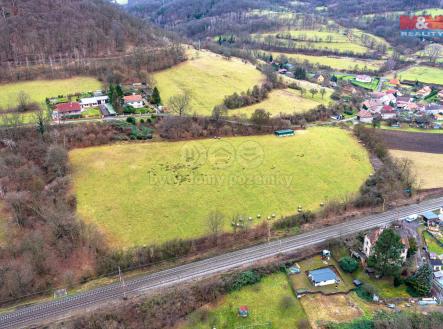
<point x="122" y="281"/>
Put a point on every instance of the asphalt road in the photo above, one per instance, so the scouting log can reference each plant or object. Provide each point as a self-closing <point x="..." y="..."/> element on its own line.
<point x="59" y="309"/>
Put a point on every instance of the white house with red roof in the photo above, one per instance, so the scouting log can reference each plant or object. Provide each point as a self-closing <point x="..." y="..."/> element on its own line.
<point x="66" y="109"/>
<point x="136" y="101"/>
<point x="388" y="112"/>
<point x="364" y="116"/>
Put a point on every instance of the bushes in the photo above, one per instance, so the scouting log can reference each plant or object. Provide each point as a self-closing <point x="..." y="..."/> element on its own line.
<point x="256" y="95"/>
<point x="366" y="291"/>
<point x="245" y="279"/>
<point x="294" y="220"/>
<point x="348" y="264"/>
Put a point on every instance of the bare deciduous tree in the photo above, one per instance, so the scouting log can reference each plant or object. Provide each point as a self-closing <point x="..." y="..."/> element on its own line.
<point x="215" y="222"/>
<point x="179" y="104"/>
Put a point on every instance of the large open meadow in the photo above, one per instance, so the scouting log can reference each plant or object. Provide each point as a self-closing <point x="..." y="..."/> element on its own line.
<point x="338" y="63"/>
<point x="154" y="192"/>
<point x="39" y="90"/>
<point x="208" y="78"/>
<point x="286" y="101"/>
<point x="423" y="74"/>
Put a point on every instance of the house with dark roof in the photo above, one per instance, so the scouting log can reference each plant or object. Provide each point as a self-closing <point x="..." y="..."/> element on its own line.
<point x="323" y="277"/>
<point x="437" y="265"/>
<point x="66" y="109"/>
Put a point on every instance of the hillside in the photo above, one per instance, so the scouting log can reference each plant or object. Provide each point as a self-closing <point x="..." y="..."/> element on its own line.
<point x="47" y="30"/>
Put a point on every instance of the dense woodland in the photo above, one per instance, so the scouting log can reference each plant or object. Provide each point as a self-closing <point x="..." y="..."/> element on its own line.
<point x="36" y="30"/>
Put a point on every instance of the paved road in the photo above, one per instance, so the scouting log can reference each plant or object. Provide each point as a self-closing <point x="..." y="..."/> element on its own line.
<point x="58" y="309"/>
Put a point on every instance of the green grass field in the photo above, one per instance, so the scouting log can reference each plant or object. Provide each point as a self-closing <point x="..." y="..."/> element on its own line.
<point x="384" y="287"/>
<point x="338" y="63"/>
<point x="208" y="78"/>
<point x="423" y="74"/>
<point x="150" y="193"/>
<point x="286" y="101"/>
<point x="264" y="302"/>
<point x="433" y="245"/>
<point x="38" y="90"/>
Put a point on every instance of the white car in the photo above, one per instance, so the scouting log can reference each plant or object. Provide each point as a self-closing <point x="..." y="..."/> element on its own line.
<point x="411" y="218"/>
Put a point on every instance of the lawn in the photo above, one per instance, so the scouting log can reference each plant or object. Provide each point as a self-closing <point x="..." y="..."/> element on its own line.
<point x="264" y="302"/>
<point x="432" y="244"/>
<point x="286" y="101"/>
<point x="338" y="63"/>
<point x="208" y="78"/>
<point x="91" y="112"/>
<point x="370" y="86"/>
<point x="384" y="287"/>
<point x="302" y="282"/>
<point x="336" y="308"/>
<point x="157" y="191"/>
<point x="38" y="90"/>
<point x="428" y="167"/>
<point x="423" y="74"/>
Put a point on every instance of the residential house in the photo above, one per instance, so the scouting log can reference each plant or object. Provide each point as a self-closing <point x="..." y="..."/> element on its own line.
<point x="66" y="109"/>
<point x="388" y="99"/>
<point x="363" y="78"/>
<point x="403" y="102"/>
<point x="433" y="109"/>
<point x="319" y="78"/>
<point x="423" y="92"/>
<point x="372" y="105"/>
<point x="282" y="71"/>
<point x="394" y="82"/>
<point x="440" y="94"/>
<point x="437" y="265"/>
<point x="364" y="116"/>
<point x="93" y="101"/>
<point x="136" y="101"/>
<point x="376" y="94"/>
<point x="392" y="91"/>
<point x="371" y="239"/>
<point x="388" y="112"/>
<point x="323" y="277"/>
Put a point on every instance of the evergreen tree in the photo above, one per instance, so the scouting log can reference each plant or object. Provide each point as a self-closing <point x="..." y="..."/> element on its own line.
<point x="386" y="258"/>
<point x="156" y="99"/>
<point x="421" y="281"/>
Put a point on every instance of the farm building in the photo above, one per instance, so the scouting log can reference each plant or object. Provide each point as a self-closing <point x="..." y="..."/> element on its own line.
<point x="136" y="101"/>
<point x="323" y="277"/>
<point x="284" y="132"/>
<point x="66" y="109"/>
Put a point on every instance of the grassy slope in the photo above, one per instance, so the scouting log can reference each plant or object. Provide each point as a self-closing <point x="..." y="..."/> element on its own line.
<point x="208" y="78"/>
<point x="423" y="74"/>
<point x="285" y="101"/>
<point x="113" y="183"/>
<point x="38" y="90"/>
<point x="428" y="167"/>
<point x="339" y="63"/>
<point x="263" y="300"/>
